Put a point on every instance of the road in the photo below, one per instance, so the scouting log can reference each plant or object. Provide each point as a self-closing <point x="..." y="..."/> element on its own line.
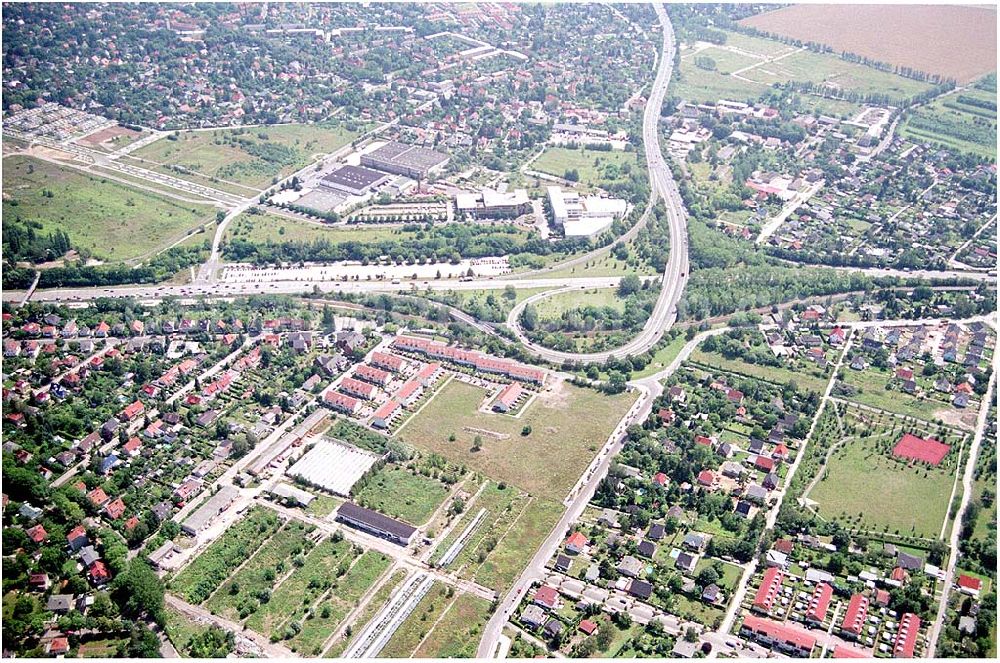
<point x="956" y="529"/>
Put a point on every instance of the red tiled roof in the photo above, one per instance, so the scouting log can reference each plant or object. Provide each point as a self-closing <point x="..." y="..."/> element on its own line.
<point x="546" y="595"/>
<point x="906" y="636"/>
<point x="790" y="635"/>
<point x="969" y="582"/>
<point x="576" y="539"/>
<point x="843" y="651"/>
<point x="768" y="589"/>
<point x="857" y="612"/>
<point x="819" y="602"/>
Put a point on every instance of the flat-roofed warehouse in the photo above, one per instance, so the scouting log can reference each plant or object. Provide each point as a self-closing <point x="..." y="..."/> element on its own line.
<point x="354" y="180"/>
<point x="375" y="523"/>
<point x="333" y="466"/>
<point x="403" y="159"/>
<point x="207" y="512"/>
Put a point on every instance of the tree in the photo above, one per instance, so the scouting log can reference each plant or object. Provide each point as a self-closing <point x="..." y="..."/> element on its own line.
<point x="526" y="431"/>
<point x="139" y="590"/>
<point x="628" y="285"/>
<point x="529" y="318"/>
<point x="141" y="643"/>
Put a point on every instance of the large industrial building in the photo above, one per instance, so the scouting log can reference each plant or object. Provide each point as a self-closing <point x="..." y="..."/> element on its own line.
<point x="354" y="180"/>
<point x="489" y="204"/>
<point x="584" y="216"/>
<point x="403" y="159"/>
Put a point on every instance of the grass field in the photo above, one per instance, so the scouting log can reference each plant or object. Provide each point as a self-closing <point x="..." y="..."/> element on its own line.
<point x="556" y="305"/>
<point x="606" y="265"/>
<point x="180" y="629"/>
<point x="457" y="634"/>
<point x="595" y="168"/>
<point x="956" y="121"/>
<point x="397" y="492"/>
<point x="216" y="563"/>
<point x="873" y="393"/>
<point x="109" y="220"/>
<point x="259" y="228"/>
<point x="568" y="425"/>
<point x="502" y="505"/>
<point x="219" y="154"/>
<point x="864" y="486"/>
<point x="518" y="543"/>
<point x="955" y="41"/>
<point x="662" y="357"/>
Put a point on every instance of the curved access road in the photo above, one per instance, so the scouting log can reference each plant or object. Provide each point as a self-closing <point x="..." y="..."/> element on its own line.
<point x="675" y="274"/>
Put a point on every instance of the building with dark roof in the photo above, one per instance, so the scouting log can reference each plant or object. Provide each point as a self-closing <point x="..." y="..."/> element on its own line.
<point x="354" y="180"/>
<point x="375" y="523"/>
<point x="403" y="159"/>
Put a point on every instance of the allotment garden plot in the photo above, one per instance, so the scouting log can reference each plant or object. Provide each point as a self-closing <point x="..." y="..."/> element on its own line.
<point x="880" y="476"/>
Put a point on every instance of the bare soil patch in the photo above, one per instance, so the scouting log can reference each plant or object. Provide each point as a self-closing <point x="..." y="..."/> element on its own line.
<point x="951" y="40"/>
<point x="108" y="134"/>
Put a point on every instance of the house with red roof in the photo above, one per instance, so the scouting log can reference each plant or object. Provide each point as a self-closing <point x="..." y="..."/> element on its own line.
<point x="342" y="402"/>
<point x="785" y="638"/>
<point x="819" y="603"/>
<point x="836" y="337"/>
<point x="706" y="478"/>
<point x="666" y="416"/>
<point x="547" y="597"/>
<point x="780" y="452"/>
<point x="660" y="479"/>
<point x="906" y="637"/>
<point x="98" y="573"/>
<point x="387" y="361"/>
<point x="588" y="627"/>
<point x="843" y="651"/>
<point x="899" y="574"/>
<point x="763" y="463"/>
<point x="37" y="534"/>
<point x="97" y="497"/>
<point x="358" y="388"/>
<point x="576" y="542"/>
<point x="115" y="509"/>
<point x="735" y="396"/>
<point x="386" y="413"/>
<point x="855" y="616"/>
<point x="373" y="375"/>
<point x="770" y="587"/>
<point x="132" y="411"/>
<point x="133" y="446"/>
<point x="904" y="373"/>
<point x="131" y="523"/>
<point x="970" y="585"/>
<point x="58" y="646"/>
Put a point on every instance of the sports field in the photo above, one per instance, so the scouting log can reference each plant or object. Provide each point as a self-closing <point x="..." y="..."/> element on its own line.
<point x="569" y="425"/>
<point x="111" y="221"/>
<point x="251" y="156"/>
<point x="952" y="40"/>
<point x="863" y="486"/>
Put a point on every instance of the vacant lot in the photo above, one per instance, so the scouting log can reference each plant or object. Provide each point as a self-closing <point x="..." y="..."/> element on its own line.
<point x="415" y="628"/>
<point x="517" y="544"/>
<point x="109" y="220"/>
<point x="398" y="492"/>
<point x="863" y="486"/>
<point x="955" y="41"/>
<point x="595" y="167"/>
<point x="251" y="156"/>
<point x="568" y="426"/>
